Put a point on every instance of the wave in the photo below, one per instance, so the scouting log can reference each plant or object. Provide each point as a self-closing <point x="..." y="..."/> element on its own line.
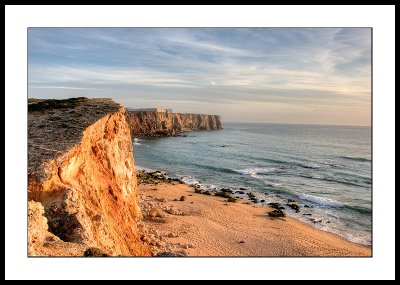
<point x="287" y="164"/>
<point x="350" y="236"/>
<point x="264" y="159"/>
<point x="311" y="165"/>
<point x="291" y="164"/>
<point x="253" y="172"/>
<point x="190" y="181"/>
<point x="355" y="158"/>
<point x="272" y="184"/>
<point x="359" y="209"/>
<point x="346" y="182"/>
<point x="145" y="169"/>
<point x="320" y="200"/>
<point x="329" y="179"/>
<point x="350" y="177"/>
<point x="215" y="168"/>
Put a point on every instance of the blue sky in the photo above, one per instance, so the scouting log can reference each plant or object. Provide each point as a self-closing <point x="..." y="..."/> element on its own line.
<point x="267" y="75"/>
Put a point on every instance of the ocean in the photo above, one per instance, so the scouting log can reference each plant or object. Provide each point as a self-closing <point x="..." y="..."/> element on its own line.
<point x="325" y="169"/>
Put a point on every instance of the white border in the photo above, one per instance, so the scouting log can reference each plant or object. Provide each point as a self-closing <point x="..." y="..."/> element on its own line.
<point x="381" y="18"/>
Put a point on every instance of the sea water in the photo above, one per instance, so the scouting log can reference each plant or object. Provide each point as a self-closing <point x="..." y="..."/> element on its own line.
<point x="325" y="169"/>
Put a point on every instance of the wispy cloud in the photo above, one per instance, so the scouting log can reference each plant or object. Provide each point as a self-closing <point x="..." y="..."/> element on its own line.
<point x="281" y="67"/>
<point x="61" y="87"/>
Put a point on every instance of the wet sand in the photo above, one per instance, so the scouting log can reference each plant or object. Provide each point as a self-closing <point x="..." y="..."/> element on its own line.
<point x="210" y="226"/>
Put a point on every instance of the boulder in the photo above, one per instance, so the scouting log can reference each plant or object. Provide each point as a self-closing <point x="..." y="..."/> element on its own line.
<point x="155" y="212"/>
<point x="277" y="213"/>
<point x="275" y="205"/>
<point x="94" y="252"/>
<point x="294" y="207"/>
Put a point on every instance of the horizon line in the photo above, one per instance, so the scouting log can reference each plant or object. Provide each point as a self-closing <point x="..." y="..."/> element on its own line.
<point x="309" y="124"/>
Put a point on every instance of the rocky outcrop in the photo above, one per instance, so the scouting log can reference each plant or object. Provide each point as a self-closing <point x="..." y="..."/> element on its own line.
<point x="155" y="124"/>
<point x="82" y="187"/>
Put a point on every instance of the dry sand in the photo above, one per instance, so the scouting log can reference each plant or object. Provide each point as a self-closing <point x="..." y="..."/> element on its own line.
<point x="213" y="227"/>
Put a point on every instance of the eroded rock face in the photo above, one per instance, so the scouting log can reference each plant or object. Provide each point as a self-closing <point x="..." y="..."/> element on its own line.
<point x="153" y="124"/>
<point x="41" y="242"/>
<point x="82" y="186"/>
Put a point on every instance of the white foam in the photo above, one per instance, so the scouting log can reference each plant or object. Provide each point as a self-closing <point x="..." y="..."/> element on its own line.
<point x="334" y="228"/>
<point x="311" y="165"/>
<point x="254" y="171"/>
<point x="190" y="181"/>
<point x="320" y="200"/>
<point x="210" y="187"/>
<point x="145" y="169"/>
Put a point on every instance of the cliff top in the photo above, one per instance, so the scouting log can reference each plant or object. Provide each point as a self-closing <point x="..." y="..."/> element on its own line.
<point x="167" y="113"/>
<point x="54" y="126"/>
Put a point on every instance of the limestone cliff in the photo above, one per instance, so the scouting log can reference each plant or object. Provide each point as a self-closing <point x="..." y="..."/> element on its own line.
<point x="82" y="188"/>
<point x="154" y="124"/>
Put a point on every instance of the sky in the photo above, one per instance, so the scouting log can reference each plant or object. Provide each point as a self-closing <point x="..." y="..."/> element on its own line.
<point x="261" y="75"/>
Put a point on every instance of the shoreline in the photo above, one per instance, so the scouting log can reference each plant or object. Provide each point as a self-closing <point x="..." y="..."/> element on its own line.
<point x="207" y="225"/>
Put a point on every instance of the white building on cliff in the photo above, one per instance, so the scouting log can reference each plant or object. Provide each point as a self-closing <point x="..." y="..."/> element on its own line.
<point x="156" y="110"/>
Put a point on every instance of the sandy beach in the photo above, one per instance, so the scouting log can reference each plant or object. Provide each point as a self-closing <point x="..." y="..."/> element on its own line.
<point x="205" y="225"/>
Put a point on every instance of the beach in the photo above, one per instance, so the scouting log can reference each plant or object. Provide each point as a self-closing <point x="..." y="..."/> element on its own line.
<point x="324" y="170"/>
<point x="206" y="225"/>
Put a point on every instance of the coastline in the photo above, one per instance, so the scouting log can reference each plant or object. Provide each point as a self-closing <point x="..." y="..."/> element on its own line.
<point x="206" y="225"/>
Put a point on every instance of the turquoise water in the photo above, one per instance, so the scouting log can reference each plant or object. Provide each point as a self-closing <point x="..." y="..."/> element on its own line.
<point x="327" y="168"/>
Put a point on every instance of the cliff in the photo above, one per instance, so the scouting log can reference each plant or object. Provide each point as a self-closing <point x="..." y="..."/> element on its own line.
<point x="82" y="187"/>
<point x="154" y="124"/>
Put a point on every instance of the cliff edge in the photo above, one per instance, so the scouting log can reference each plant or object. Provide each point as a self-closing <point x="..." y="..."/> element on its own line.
<point x="156" y="124"/>
<point x="82" y="187"/>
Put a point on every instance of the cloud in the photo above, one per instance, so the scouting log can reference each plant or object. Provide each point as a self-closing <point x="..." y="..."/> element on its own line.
<point x="61" y="87"/>
<point x="287" y="66"/>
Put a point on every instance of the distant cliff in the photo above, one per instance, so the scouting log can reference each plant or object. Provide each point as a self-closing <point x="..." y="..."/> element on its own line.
<point x="155" y="124"/>
<point x="82" y="186"/>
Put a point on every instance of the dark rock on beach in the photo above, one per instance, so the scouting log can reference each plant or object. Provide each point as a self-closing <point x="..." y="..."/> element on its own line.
<point x="223" y="194"/>
<point x="170" y="254"/>
<point x="277" y="206"/>
<point x="251" y="195"/>
<point x="277" y="213"/>
<point x="94" y="252"/>
<point x="232" y="200"/>
<point x="226" y="190"/>
<point x="294" y="207"/>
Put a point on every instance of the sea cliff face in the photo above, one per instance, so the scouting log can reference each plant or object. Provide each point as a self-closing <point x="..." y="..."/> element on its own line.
<point x="154" y="124"/>
<point x="82" y="187"/>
